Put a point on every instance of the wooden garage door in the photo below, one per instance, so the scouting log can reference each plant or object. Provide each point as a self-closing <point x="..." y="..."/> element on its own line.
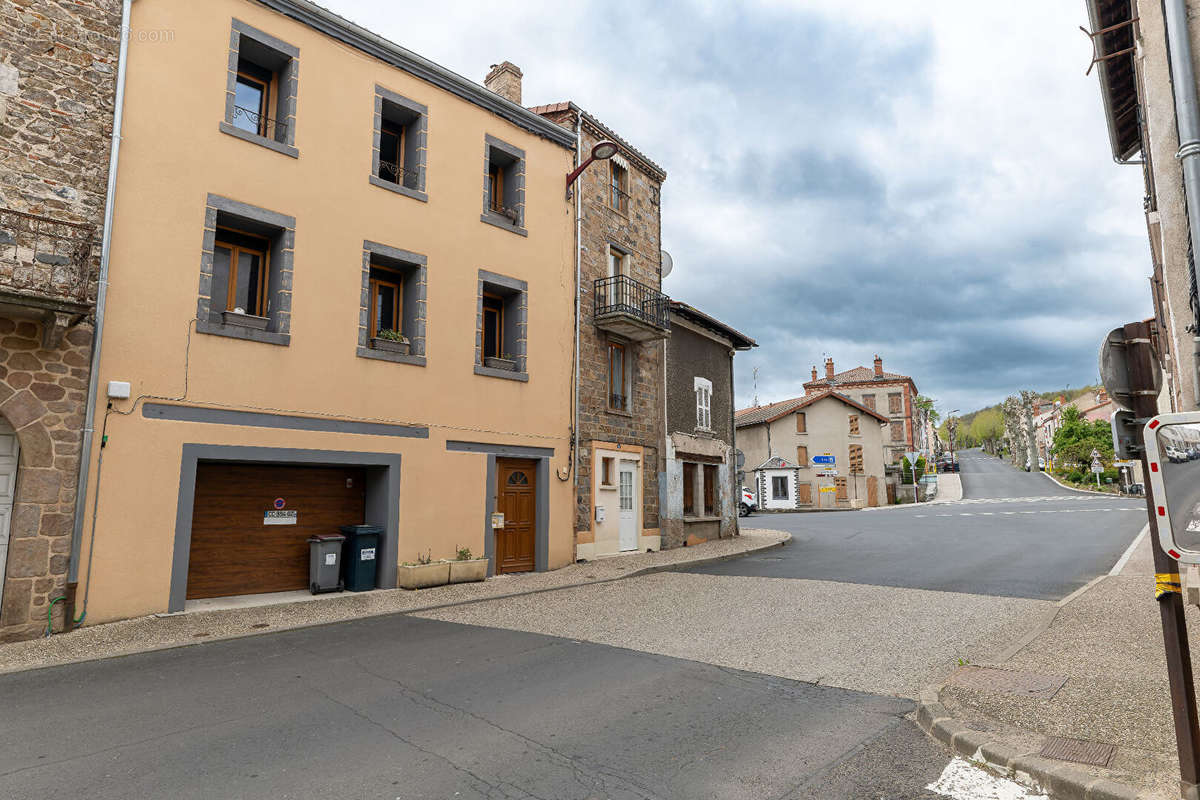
<point x="233" y="552"/>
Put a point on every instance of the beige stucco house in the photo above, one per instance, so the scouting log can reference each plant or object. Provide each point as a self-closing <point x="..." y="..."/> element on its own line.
<point x="781" y="440"/>
<point x="339" y="294"/>
<point x="887" y="393"/>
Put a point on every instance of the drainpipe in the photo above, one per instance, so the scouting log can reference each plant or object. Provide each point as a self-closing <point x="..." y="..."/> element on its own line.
<point x="1187" y="122"/>
<point x="573" y="466"/>
<point x="85" y="451"/>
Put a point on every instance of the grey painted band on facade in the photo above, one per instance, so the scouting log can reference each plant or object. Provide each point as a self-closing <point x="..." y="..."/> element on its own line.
<point x="382" y="501"/>
<point x="362" y="39"/>
<point x="516" y="284"/>
<point x="395" y="253"/>
<point x="237" y="208"/>
<point x="256" y="419"/>
<point x="506" y="450"/>
<point x="262" y="37"/>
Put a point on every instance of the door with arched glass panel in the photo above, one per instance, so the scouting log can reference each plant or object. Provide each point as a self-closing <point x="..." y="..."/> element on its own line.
<point x="516" y="498"/>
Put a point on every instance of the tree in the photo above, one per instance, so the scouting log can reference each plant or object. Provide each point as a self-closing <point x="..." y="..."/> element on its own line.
<point x="986" y="430"/>
<point x="1077" y="438"/>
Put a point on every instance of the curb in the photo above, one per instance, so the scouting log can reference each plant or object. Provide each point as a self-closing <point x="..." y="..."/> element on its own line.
<point x="1057" y="779"/>
<point x="416" y="610"/>
<point x="1081" y="491"/>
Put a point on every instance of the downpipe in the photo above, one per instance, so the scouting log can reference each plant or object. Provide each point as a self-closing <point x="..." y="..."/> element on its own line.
<point x="85" y="451"/>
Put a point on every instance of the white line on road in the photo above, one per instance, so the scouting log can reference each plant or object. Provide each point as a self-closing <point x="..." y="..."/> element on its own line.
<point x="962" y="781"/>
<point x="1124" y="559"/>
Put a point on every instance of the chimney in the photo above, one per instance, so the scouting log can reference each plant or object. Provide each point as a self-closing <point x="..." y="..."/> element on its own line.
<point x="829" y="368"/>
<point x="878" y="367"/>
<point x="505" y="80"/>
<point x="814" y="372"/>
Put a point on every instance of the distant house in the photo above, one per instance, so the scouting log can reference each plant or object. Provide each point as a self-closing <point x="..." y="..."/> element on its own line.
<point x="781" y="440"/>
<point x="702" y="493"/>
<point x="888" y="393"/>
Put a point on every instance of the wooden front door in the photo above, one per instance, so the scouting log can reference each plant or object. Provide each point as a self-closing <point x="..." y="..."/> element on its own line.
<point x="516" y="499"/>
<point x="804" y="493"/>
<point x="872" y="491"/>
<point x="234" y="551"/>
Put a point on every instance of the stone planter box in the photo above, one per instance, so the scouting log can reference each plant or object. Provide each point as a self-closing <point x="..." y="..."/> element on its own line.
<point x="500" y="363"/>
<point x="474" y="569"/>
<point x="245" y="320"/>
<point x="423" y="576"/>
<point x="390" y="346"/>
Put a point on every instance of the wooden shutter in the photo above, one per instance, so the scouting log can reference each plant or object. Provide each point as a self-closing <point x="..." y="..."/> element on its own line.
<point x="689" y="489"/>
<point x="854" y="424"/>
<point x="802" y="456"/>
<point x="710" y="490"/>
<point x="804" y="493"/>
<point x="801" y="425"/>
<point x="856" y="458"/>
<point x="841" y="488"/>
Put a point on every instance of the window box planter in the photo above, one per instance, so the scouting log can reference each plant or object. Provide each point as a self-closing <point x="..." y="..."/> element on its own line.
<point x="245" y="320"/>
<point x="390" y="346"/>
<point x="423" y="576"/>
<point x="500" y="363"/>
<point x="468" y="571"/>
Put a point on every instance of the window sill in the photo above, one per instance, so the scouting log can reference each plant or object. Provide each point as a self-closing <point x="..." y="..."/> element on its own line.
<point x="501" y="221"/>
<point x="240" y="332"/>
<point x="395" y="358"/>
<point x="254" y="138"/>
<point x="506" y="374"/>
<point x="608" y="487"/>
<point x="616" y="412"/>
<point x="687" y="519"/>
<point x="415" y="194"/>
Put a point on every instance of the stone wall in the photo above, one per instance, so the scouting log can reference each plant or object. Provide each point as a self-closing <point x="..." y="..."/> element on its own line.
<point x="42" y="395"/>
<point x="637" y="233"/>
<point x="58" y="65"/>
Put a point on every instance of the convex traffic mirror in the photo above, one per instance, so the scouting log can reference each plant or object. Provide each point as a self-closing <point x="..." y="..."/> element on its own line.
<point x="1173" y="453"/>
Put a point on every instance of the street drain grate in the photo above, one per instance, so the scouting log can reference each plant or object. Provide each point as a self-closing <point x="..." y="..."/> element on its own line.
<point x="1021" y="684"/>
<point x="1081" y="752"/>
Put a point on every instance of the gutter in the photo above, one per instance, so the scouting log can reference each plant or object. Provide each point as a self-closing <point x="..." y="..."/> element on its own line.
<point x="1187" y="123"/>
<point x="110" y="202"/>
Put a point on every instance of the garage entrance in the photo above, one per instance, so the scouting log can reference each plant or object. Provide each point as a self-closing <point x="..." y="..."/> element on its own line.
<point x="238" y="548"/>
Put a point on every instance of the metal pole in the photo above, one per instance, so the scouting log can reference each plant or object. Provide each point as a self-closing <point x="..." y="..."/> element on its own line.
<point x="1142" y="362"/>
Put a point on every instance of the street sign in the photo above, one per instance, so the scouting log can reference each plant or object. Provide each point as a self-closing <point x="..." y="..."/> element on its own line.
<point x="1114" y="369"/>
<point x="825" y="459"/>
<point x="827" y="473"/>
<point x="826" y="489"/>
<point x="912" y="456"/>
<point x="1097" y="467"/>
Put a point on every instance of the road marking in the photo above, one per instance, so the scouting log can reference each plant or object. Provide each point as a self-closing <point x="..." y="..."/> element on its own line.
<point x="965" y="514"/>
<point x="962" y="781"/>
<point x="1124" y="559"/>
<point x="986" y="514"/>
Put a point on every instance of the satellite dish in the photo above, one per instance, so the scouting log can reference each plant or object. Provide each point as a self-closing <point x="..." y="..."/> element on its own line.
<point x="668" y="263"/>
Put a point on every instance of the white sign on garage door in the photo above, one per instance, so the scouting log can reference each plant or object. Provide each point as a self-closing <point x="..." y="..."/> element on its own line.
<point x="9" y="452"/>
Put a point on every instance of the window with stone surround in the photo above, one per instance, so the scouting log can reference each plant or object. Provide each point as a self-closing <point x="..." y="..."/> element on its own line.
<point x="853" y="422"/>
<point x="503" y="185"/>
<point x="619" y="388"/>
<point x="856" y="459"/>
<point x="246" y="272"/>
<point x="703" y="389"/>
<point x="398" y="157"/>
<point x="618" y="184"/>
<point x="868" y="400"/>
<point x="897" y="431"/>
<point x="391" y="312"/>
<point x="260" y="90"/>
<point x="779" y="487"/>
<point x="802" y="456"/>
<point x="501" y="311"/>
<point x="801" y="422"/>
<point x="895" y="403"/>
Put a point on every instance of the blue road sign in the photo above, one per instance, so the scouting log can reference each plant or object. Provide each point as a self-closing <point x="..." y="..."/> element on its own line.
<point x="823" y="460"/>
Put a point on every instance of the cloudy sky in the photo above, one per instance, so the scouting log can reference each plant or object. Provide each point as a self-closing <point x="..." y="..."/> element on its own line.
<point x="928" y="180"/>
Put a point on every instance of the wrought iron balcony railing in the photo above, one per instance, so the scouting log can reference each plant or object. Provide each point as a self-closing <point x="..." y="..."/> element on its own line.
<point x="618" y="199"/>
<point x="408" y="178"/>
<point x="621" y="295"/>
<point x="254" y="122"/>
<point x="46" y="258"/>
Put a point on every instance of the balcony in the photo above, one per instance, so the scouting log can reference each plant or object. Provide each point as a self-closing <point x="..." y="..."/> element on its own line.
<point x="631" y="309"/>
<point x="46" y="270"/>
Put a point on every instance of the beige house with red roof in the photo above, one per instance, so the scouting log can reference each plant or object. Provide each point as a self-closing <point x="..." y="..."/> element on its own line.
<point x="784" y="444"/>
<point x="889" y="393"/>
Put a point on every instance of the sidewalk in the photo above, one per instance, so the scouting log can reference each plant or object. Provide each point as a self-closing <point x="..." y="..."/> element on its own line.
<point x="160" y="632"/>
<point x="1106" y="641"/>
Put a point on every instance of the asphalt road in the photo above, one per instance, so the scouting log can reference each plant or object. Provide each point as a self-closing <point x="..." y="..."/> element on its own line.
<point x="400" y="707"/>
<point x="1015" y="534"/>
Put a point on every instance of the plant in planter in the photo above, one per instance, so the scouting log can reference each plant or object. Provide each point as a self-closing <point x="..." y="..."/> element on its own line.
<point x="465" y="569"/>
<point x="424" y="574"/>
<point x="392" y="341"/>
<point x="507" y="361"/>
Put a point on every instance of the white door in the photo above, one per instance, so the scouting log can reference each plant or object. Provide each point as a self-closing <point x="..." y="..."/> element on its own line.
<point x="628" y="498"/>
<point x="8" y="487"/>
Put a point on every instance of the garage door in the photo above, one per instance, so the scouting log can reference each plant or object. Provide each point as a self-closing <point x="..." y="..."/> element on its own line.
<point x="234" y="551"/>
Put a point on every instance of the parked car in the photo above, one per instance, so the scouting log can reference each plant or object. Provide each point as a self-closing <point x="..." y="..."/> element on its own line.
<point x="1175" y="455"/>
<point x="947" y="463"/>
<point x="748" y="504"/>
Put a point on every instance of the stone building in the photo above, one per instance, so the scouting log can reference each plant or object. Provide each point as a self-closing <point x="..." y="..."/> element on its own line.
<point x="701" y="489"/>
<point x="58" y="64"/>
<point x="623" y="326"/>
<point x="889" y="393"/>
